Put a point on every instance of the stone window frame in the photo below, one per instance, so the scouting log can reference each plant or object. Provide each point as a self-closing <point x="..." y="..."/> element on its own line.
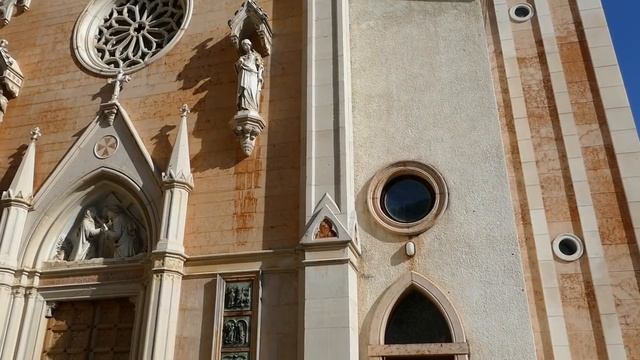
<point x="82" y="42"/>
<point x="578" y="243"/>
<point x="378" y="350"/>
<point x="414" y="168"/>
<point x="514" y="17"/>
<point x="219" y="311"/>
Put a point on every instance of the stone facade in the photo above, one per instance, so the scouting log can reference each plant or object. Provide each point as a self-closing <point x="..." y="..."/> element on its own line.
<point x="515" y="116"/>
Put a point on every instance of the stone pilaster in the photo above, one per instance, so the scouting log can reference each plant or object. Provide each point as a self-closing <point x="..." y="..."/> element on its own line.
<point x="163" y="298"/>
<point x="163" y="303"/>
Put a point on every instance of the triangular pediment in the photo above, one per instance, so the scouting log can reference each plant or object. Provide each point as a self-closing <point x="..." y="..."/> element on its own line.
<point x="324" y="225"/>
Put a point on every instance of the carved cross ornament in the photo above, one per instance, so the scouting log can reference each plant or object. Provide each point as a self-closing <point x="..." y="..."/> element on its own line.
<point x="118" y="82"/>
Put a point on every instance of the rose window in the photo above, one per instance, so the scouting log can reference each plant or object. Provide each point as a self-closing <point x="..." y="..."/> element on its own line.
<point x="128" y="34"/>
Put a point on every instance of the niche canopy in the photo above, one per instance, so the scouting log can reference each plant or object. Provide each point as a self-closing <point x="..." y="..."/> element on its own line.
<point x="248" y="21"/>
<point x="251" y="35"/>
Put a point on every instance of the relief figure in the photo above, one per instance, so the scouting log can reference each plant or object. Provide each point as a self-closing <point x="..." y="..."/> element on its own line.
<point x="87" y="237"/>
<point x="120" y="236"/>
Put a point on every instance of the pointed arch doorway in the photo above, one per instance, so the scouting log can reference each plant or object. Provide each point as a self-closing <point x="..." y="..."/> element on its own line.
<point x="415" y="321"/>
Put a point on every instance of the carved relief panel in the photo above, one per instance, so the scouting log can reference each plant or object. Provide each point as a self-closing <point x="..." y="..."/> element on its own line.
<point x="239" y="313"/>
<point x="104" y="228"/>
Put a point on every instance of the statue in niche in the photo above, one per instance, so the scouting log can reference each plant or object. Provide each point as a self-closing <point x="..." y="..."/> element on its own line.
<point x="325" y="230"/>
<point x="250" y="81"/>
<point x="115" y="234"/>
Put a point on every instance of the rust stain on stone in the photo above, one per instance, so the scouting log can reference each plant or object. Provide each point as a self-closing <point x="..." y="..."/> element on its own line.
<point x="248" y="177"/>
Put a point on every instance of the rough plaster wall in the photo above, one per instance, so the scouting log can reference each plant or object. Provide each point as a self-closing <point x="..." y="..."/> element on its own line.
<point x="422" y="91"/>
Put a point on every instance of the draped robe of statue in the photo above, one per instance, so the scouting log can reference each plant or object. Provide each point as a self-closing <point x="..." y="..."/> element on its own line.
<point x="87" y="230"/>
<point x="122" y="234"/>
<point x="249" y="68"/>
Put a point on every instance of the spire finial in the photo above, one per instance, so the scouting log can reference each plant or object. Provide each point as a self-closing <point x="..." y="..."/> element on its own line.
<point x="35" y="134"/>
<point x="184" y="111"/>
<point x="119" y="81"/>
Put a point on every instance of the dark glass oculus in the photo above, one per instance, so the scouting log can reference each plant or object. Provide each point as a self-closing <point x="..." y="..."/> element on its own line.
<point x="407" y="198"/>
<point x="522" y="11"/>
<point x="568" y="247"/>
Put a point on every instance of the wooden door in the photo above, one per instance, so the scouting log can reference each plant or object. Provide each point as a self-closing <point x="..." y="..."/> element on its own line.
<point x="97" y="330"/>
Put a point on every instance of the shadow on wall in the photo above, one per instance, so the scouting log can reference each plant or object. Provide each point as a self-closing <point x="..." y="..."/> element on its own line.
<point x="282" y="143"/>
<point x="14" y="162"/>
<point x="211" y="72"/>
<point x="161" y="145"/>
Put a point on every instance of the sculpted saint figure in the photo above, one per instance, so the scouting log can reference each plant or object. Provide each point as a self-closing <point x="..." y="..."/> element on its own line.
<point x="87" y="236"/>
<point x="120" y="236"/>
<point x="249" y="69"/>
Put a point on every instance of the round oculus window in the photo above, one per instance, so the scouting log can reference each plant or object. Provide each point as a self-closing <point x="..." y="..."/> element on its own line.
<point x="521" y="12"/>
<point x="407" y="197"/>
<point x="114" y="35"/>
<point x="568" y="247"/>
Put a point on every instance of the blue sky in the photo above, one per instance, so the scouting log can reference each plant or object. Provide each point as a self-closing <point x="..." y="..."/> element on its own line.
<point x="622" y="16"/>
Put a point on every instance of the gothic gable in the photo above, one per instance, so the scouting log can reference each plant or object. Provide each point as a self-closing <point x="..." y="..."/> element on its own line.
<point x="107" y="170"/>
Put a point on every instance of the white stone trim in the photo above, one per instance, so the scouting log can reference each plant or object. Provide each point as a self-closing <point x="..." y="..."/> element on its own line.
<point x="624" y="134"/>
<point x="546" y="263"/>
<point x="592" y="243"/>
<point x="328" y="163"/>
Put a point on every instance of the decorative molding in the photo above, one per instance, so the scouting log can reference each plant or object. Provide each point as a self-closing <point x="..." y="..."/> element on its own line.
<point x="11" y="78"/>
<point x="9" y="7"/>
<point x="407" y="168"/>
<point x="249" y="19"/>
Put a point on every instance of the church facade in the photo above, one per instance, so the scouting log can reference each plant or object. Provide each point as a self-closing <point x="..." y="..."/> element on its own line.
<point x="316" y="179"/>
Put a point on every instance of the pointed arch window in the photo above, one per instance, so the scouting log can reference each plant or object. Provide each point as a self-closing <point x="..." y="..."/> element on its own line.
<point x="414" y="320"/>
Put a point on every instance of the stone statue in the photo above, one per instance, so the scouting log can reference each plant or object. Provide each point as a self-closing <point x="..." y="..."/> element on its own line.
<point x="250" y="81"/>
<point x="120" y="235"/>
<point x="87" y="236"/>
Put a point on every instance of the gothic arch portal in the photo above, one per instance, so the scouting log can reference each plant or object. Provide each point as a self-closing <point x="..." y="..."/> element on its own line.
<point x="104" y="185"/>
<point x="410" y="283"/>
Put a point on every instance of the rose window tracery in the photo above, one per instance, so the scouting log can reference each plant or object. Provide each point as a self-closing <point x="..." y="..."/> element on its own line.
<point x="128" y="34"/>
<point x="135" y="30"/>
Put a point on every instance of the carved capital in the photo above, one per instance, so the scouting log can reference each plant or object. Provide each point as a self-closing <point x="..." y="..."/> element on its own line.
<point x="109" y="111"/>
<point x="247" y="126"/>
<point x="173" y="264"/>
